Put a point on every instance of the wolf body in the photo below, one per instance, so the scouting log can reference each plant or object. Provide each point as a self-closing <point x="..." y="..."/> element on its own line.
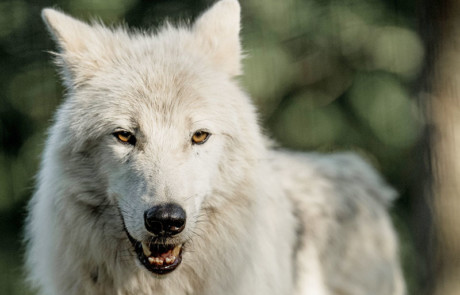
<point x="258" y="220"/>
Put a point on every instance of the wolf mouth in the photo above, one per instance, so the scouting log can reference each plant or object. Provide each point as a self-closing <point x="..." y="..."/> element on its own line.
<point x="159" y="258"/>
<point x="156" y="257"/>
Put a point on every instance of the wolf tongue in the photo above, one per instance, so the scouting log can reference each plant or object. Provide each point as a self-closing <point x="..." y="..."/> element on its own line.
<point x="166" y="254"/>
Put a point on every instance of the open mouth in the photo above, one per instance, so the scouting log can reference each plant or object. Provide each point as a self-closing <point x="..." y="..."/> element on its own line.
<point x="155" y="257"/>
<point x="158" y="258"/>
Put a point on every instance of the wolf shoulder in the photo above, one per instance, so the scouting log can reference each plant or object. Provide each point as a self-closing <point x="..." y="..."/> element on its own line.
<point x="341" y="206"/>
<point x="335" y="195"/>
<point x="340" y="179"/>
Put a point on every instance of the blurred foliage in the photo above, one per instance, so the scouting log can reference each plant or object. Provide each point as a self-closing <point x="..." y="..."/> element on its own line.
<point x="326" y="75"/>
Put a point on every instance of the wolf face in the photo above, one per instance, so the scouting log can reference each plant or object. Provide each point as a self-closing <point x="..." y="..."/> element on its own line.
<point x="158" y="120"/>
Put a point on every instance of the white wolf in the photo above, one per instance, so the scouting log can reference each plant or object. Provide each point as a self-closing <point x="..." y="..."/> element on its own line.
<point x="156" y="179"/>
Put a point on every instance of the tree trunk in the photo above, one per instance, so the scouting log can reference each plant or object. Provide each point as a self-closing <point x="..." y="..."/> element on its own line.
<point x="443" y="110"/>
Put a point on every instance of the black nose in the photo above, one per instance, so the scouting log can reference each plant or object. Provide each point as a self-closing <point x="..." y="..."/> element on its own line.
<point x="165" y="219"/>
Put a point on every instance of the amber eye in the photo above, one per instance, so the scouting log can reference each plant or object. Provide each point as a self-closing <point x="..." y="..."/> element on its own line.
<point x="125" y="137"/>
<point x="200" y="137"/>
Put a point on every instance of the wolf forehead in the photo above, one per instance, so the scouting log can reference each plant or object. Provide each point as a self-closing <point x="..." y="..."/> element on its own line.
<point x="211" y="43"/>
<point x="163" y="89"/>
<point x="147" y="68"/>
<point x="154" y="93"/>
<point x="174" y="68"/>
<point x="145" y="65"/>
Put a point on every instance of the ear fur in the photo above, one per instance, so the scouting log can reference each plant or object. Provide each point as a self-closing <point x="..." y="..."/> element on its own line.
<point x="81" y="45"/>
<point x="70" y="33"/>
<point x="218" y="31"/>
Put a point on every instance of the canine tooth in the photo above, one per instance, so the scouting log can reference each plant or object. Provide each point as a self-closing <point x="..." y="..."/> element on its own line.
<point x="170" y="260"/>
<point x="176" y="250"/>
<point x="146" y="249"/>
<point x="151" y="260"/>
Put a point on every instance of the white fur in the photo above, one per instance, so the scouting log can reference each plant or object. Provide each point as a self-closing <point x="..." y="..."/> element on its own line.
<point x="259" y="221"/>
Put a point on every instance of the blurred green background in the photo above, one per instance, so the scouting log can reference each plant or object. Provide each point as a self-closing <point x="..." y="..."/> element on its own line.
<point x="326" y="75"/>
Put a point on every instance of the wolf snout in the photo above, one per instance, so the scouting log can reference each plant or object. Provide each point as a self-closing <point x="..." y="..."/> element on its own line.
<point x="165" y="219"/>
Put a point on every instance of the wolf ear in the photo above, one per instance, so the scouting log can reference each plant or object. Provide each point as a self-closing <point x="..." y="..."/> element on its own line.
<point x="70" y="34"/>
<point x="218" y="32"/>
<point x="79" y="45"/>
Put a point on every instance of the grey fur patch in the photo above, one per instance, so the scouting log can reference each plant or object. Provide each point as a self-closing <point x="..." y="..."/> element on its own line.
<point x="299" y="242"/>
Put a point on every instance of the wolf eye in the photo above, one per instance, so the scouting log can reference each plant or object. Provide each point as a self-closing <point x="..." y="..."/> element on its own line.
<point x="200" y="137"/>
<point x="125" y="137"/>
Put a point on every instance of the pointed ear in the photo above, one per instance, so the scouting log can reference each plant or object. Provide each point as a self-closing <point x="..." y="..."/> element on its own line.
<point x="70" y="33"/>
<point x="81" y="45"/>
<point x="218" y="32"/>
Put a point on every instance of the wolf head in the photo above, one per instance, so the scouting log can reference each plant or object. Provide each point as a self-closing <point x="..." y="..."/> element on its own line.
<point x="154" y="124"/>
